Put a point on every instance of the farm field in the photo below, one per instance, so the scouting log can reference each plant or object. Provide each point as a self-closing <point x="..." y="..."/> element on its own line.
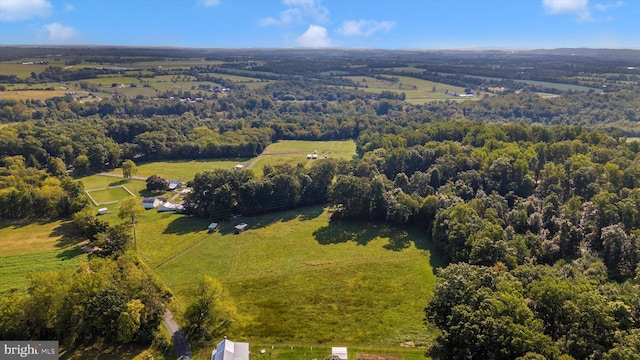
<point x="284" y="151"/>
<point x="181" y="170"/>
<point x="35" y="246"/>
<point x="417" y="91"/>
<point x="298" y="265"/>
<point x="30" y="94"/>
<point x="295" y="151"/>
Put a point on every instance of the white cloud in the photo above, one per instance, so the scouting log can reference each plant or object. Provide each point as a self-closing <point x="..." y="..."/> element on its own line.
<point x="209" y="3"/>
<point x="364" y="27"/>
<point x="315" y="37"/>
<point x="286" y="17"/>
<point x="18" y="10"/>
<point x="59" y="33"/>
<point x="69" y="7"/>
<point x="297" y="11"/>
<point x="605" y="7"/>
<point x="578" y="8"/>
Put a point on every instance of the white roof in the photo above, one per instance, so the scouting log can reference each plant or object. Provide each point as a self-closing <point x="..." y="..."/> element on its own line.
<point x="340" y="352"/>
<point x="229" y="350"/>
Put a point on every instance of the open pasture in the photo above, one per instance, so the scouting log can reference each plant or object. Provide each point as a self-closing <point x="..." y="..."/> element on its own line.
<point x="35" y="246"/>
<point x="416" y="90"/>
<point x="181" y="170"/>
<point x="110" y="80"/>
<point x="20" y="70"/>
<point x="30" y="94"/>
<point x="296" y="151"/>
<point x="358" y="282"/>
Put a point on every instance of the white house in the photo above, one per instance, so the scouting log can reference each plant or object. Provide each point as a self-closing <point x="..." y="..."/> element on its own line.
<point x="150" y="203"/>
<point x="229" y="350"/>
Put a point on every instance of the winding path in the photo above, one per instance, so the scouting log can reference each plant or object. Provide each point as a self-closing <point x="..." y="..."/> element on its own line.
<point x="183" y="350"/>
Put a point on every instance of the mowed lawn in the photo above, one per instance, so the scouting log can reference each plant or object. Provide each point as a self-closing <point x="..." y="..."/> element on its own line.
<point x="35" y="246"/>
<point x="298" y="277"/>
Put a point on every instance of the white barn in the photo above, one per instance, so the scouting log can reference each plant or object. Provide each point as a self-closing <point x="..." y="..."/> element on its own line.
<point x="229" y="350"/>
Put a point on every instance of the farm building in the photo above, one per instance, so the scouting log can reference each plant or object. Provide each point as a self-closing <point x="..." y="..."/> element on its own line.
<point x="314" y="156"/>
<point x="238" y="167"/>
<point x="340" y="352"/>
<point x="171" y="206"/>
<point x="102" y="211"/>
<point x="229" y="350"/>
<point x="150" y="203"/>
<point x="212" y="227"/>
<point x="309" y="156"/>
<point x="174" y="184"/>
<point x="240" y="228"/>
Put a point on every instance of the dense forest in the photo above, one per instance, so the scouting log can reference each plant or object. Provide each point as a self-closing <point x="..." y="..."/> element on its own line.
<point x="532" y="201"/>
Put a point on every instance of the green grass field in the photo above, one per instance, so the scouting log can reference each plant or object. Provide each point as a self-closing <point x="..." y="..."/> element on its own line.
<point x="297" y="266"/>
<point x="315" y="351"/>
<point x="182" y="170"/>
<point x="108" y="195"/>
<point x="295" y="151"/>
<point x="30" y="94"/>
<point x="417" y="91"/>
<point x="35" y="246"/>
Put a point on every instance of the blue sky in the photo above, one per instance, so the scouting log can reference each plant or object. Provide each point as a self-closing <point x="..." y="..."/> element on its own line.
<point x="382" y="24"/>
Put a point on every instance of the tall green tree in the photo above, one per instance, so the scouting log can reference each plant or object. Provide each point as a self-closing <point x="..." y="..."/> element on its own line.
<point x="129" y="168"/>
<point x="211" y="313"/>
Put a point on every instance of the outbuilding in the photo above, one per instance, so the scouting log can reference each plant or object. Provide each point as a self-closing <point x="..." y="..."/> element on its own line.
<point x="102" y="211"/>
<point x="213" y="227"/>
<point x="240" y="228"/>
<point x="150" y="203"/>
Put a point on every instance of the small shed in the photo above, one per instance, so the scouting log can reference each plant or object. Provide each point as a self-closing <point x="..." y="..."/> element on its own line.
<point x="340" y="352"/>
<point x="213" y="227"/>
<point x="102" y="211"/>
<point x="240" y="228"/>
<point x="174" y="184"/>
<point x="238" y="167"/>
<point x="314" y="156"/>
<point x="308" y="156"/>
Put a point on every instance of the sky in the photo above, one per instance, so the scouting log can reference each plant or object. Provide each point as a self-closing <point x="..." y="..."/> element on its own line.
<point x="379" y="24"/>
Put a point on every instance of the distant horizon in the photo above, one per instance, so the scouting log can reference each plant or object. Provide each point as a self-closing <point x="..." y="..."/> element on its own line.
<point x="312" y="48"/>
<point x="323" y="24"/>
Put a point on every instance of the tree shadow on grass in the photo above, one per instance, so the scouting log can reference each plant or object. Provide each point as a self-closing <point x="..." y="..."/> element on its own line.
<point x="361" y="233"/>
<point x="68" y="234"/>
<point x="69" y="254"/>
<point x="185" y="225"/>
<point x="119" y="182"/>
